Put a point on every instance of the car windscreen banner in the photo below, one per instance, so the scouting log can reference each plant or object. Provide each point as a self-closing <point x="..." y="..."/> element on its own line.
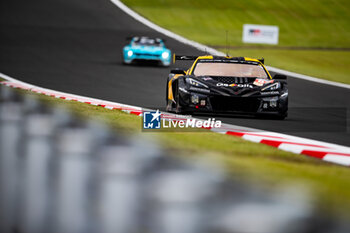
<point x="260" y="34"/>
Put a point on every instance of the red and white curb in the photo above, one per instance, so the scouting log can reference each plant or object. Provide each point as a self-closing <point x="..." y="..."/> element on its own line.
<point x="322" y="150"/>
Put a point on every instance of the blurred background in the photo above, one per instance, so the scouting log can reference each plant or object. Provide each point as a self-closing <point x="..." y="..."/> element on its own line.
<point x="60" y="173"/>
<point x="63" y="170"/>
<point x="313" y="35"/>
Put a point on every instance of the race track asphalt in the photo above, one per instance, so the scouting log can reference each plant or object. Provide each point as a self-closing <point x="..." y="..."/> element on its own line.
<point x="75" y="46"/>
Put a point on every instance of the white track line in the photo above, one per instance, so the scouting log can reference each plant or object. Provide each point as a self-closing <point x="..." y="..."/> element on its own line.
<point x="213" y="51"/>
<point x="322" y="150"/>
<point x="308" y="78"/>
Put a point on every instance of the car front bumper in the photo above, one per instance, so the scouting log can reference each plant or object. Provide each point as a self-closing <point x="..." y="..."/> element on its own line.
<point x="199" y="102"/>
<point x="146" y="57"/>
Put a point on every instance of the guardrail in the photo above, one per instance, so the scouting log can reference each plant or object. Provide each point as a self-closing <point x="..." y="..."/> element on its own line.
<point x="63" y="175"/>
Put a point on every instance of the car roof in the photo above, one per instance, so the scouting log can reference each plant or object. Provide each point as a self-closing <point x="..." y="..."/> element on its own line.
<point x="139" y="38"/>
<point x="230" y="58"/>
<point x="245" y="60"/>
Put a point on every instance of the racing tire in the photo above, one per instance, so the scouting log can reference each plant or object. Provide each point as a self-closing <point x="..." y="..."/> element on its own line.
<point x="167" y="92"/>
<point x="178" y="109"/>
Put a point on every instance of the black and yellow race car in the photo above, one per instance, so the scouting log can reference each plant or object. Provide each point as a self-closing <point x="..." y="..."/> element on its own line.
<point x="226" y="85"/>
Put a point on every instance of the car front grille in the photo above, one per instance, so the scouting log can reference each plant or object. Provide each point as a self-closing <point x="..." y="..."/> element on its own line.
<point x="234" y="104"/>
<point x="147" y="54"/>
<point x="230" y="80"/>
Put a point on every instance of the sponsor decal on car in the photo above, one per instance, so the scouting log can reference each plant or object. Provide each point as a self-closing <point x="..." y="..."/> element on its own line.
<point x="234" y="85"/>
<point x="222" y="85"/>
<point x="245" y="85"/>
<point x="270" y="93"/>
<point x="260" y="82"/>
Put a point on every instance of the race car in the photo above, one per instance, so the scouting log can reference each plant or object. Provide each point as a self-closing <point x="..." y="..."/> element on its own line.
<point x="143" y="48"/>
<point x="226" y="85"/>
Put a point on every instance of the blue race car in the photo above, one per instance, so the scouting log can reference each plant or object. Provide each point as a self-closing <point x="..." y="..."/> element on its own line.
<point x="146" y="49"/>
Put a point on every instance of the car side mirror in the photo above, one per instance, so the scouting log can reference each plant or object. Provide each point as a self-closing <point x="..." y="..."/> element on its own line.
<point x="177" y="71"/>
<point x="280" y="76"/>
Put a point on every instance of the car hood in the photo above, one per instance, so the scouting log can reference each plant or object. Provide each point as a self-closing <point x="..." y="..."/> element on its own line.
<point x="237" y="86"/>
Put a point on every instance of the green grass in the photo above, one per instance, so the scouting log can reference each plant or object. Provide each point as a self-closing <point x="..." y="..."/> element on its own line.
<point x="256" y="163"/>
<point x="326" y="66"/>
<point x="313" y="23"/>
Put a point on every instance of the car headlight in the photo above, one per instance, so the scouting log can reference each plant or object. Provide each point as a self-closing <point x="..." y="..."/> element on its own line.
<point x="130" y="53"/>
<point x="165" y="55"/>
<point x="195" y="99"/>
<point x="271" y="87"/>
<point x="195" y="83"/>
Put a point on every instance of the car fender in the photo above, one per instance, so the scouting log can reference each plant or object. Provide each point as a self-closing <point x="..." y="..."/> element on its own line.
<point x="170" y="84"/>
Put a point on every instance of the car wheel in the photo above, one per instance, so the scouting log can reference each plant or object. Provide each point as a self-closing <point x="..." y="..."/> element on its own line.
<point x="178" y="108"/>
<point x="168" y="104"/>
<point x="167" y="92"/>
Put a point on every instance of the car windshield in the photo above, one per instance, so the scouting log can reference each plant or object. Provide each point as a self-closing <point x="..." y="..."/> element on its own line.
<point x="146" y="42"/>
<point x="229" y="69"/>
